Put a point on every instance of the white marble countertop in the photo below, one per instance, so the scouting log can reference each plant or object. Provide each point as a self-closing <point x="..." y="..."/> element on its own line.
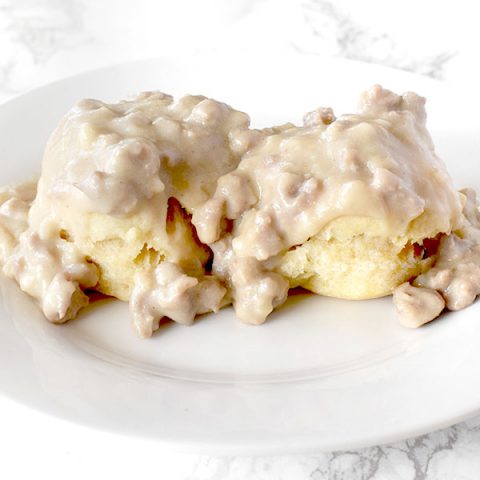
<point x="44" y="40"/>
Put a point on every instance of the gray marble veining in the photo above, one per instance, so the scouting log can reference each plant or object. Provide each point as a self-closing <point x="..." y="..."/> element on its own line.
<point x="369" y="42"/>
<point x="450" y="454"/>
<point x="32" y="33"/>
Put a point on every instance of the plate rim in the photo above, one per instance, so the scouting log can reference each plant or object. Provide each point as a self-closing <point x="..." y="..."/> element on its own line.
<point x="232" y="448"/>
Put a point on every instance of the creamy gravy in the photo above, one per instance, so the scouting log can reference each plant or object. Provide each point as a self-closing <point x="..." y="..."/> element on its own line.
<point x="113" y="158"/>
<point x="294" y="182"/>
<point x="45" y="266"/>
<point x="122" y="160"/>
<point x="253" y="195"/>
<point x="168" y="292"/>
<point x="15" y="204"/>
<point x="454" y="280"/>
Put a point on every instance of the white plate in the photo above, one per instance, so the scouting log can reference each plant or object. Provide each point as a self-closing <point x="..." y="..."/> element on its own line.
<point x="321" y="374"/>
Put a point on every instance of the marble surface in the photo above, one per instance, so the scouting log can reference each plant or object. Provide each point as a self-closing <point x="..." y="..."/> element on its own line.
<point x="44" y="40"/>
